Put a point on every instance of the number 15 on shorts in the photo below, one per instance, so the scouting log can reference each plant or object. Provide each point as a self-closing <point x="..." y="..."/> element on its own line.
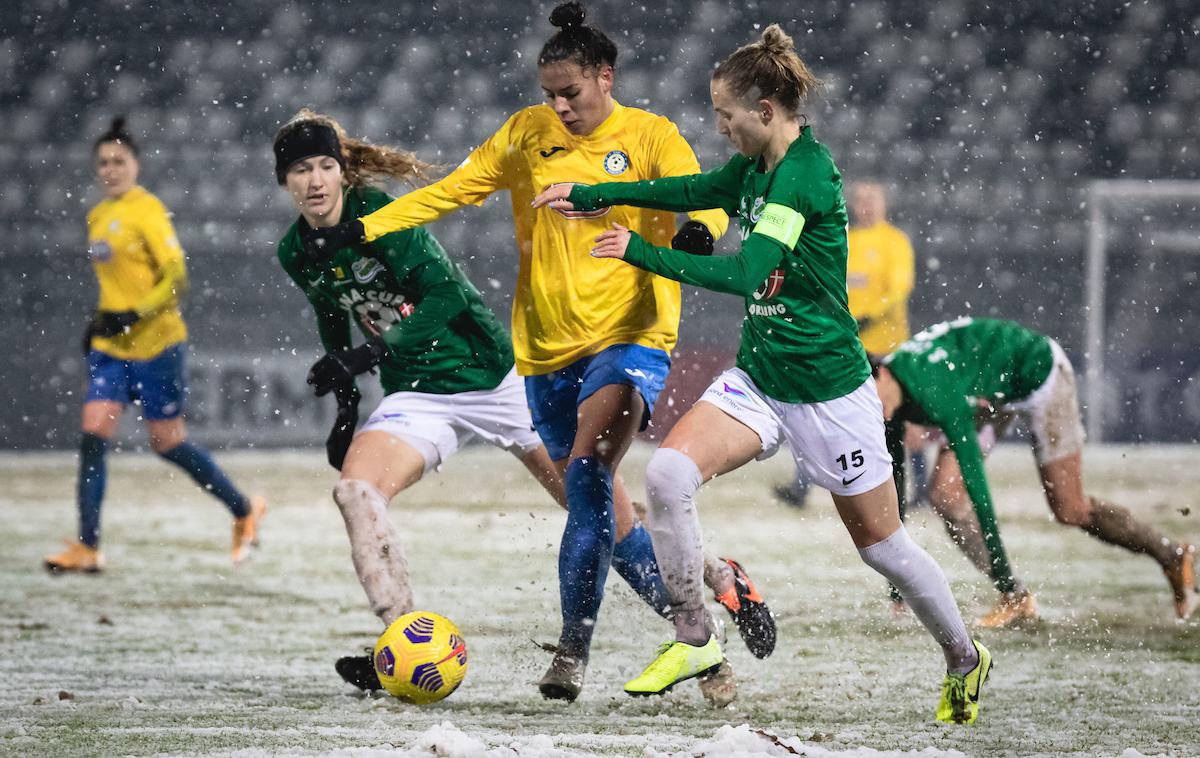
<point x="853" y="459"/>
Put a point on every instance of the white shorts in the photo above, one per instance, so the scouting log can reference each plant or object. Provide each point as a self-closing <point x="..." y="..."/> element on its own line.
<point x="1052" y="411"/>
<point x="437" y="425"/>
<point x="838" y="444"/>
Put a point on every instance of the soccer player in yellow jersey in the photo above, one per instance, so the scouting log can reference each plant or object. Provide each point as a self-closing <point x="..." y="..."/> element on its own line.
<point x="879" y="271"/>
<point x="135" y="349"/>
<point x="592" y="340"/>
<point x="879" y="279"/>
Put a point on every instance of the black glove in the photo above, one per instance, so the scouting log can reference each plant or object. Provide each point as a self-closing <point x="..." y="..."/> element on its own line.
<point x="88" y="333"/>
<point x="342" y="433"/>
<point x="693" y="237"/>
<point x="336" y="371"/>
<point x="112" y="323"/>
<point x="321" y="244"/>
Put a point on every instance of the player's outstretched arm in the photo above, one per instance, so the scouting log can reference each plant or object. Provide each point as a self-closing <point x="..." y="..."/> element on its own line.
<point x="739" y="274"/>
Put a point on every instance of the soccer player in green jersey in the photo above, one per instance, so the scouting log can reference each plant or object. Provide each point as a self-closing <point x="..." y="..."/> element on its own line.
<point x="801" y="373"/>
<point x="445" y="362"/>
<point x="964" y="373"/>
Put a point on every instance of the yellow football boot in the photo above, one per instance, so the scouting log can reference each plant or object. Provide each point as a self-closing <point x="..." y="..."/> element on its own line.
<point x="676" y="662"/>
<point x="960" y="692"/>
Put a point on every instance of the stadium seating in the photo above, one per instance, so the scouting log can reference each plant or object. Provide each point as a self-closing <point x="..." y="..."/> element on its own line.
<point x="986" y="121"/>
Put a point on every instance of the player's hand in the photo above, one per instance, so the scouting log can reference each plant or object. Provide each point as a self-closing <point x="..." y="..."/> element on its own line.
<point x="112" y="323"/>
<point x="555" y="196"/>
<point x="320" y="244"/>
<point x="612" y="243"/>
<point x="695" y="238"/>
<point x="336" y="371"/>
<point x="342" y="433"/>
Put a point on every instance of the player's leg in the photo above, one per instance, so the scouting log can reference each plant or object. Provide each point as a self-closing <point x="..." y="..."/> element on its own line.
<point x="99" y="424"/>
<point x="159" y="384"/>
<point x="378" y="466"/>
<point x="847" y="453"/>
<point x="730" y="425"/>
<point x="107" y="394"/>
<point x="1058" y="435"/>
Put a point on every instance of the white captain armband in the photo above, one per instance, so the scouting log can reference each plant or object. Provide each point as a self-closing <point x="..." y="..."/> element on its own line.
<point x="780" y="223"/>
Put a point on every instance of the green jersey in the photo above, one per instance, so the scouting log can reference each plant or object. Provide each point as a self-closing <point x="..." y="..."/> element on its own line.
<point x="799" y="342"/>
<point x="441" y="338"/>
<point x="951" y="372"/>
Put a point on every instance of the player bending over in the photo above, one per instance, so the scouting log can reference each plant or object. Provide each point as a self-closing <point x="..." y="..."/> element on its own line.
<point x="135" y="346"/>
<point x="446" y="366"/>
<point x="957" y="373"/>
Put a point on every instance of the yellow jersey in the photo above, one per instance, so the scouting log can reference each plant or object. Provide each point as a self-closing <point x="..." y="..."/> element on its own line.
<point x="879" y="279"/>
<point x="569" y="305"/>
<point x="140" y="267"/>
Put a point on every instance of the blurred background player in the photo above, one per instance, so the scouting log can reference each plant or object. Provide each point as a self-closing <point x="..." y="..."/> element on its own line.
<point x="446" y="366"/>
<point x="879" y="280"/>
<point x="135" y="347"/>
<point x="592" y="341"/>
<point x="802" y="375"/>
<point x="956" y="374"/>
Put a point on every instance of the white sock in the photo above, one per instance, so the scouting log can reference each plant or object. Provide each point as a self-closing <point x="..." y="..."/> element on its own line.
<point x="375" y="548"/>
<point x="924" y="587"/>
<point x="718" y="576"/>
<point x="672" y="479"/>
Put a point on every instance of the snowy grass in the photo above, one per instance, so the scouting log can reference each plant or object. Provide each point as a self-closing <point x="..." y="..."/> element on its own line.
<point x="173" y="652"/>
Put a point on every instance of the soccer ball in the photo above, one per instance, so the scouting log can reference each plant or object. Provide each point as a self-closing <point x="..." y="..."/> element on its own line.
<point x="421" y="658"/>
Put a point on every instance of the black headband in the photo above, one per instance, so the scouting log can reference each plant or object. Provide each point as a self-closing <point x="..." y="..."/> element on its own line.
<point x="305" y="141"/>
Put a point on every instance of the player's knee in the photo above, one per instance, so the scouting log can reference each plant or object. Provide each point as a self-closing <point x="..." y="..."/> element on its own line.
<point x="671" y="477"/>
<point x="1072" y="514"/>
<point x="352" y="494"/>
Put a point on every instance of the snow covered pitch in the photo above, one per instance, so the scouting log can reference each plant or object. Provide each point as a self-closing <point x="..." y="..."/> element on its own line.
<point x="173" y="652"/>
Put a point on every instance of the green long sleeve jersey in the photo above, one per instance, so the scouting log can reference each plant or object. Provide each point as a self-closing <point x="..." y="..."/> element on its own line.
<point x="949" y="370"/>
<point x="799" y="342"/>
<point x="440" y="336"/>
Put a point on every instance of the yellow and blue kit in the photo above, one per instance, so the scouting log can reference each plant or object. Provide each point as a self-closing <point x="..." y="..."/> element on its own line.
<point x="140" y="267"/>
<point x="879" y="279"/>
<point x="569" y="305"/>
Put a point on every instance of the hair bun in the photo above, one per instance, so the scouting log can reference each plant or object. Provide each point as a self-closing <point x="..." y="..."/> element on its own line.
<point x="776" y="41"/>
<point x="118" y="125"/>
<point x="567" y="15"/>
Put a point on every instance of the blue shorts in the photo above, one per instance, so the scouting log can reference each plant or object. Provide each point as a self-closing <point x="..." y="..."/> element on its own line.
<point x="554" y="398"/>
<point x="158" y="384"/>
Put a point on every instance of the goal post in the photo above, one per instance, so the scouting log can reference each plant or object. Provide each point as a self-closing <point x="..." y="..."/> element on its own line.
<point x="1165" y="216"/>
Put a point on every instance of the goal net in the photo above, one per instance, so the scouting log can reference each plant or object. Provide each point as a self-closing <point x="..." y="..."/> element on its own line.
<point x="1142" y="305"/>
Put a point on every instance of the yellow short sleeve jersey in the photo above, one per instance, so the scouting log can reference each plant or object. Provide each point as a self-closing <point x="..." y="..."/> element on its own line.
<point x="569" y="305"/>
<point x="879" y="279"/>
<point x="133" y="249"/>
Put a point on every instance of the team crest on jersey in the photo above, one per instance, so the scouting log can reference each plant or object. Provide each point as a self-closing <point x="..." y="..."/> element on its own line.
<point x="580" y="214"/>
<point x="757" y="209"/>
<point x="616" y="162"/>
<point x="365" y="269"/>
<point x="100" y="251"/>
<point x="770" y="286"/>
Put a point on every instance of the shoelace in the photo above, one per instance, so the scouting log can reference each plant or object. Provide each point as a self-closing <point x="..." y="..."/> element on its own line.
<point x="660" y="663"/>
<point x="957" y="686"/>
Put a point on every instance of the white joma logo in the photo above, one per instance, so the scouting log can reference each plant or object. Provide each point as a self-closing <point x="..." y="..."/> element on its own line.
<point x="636" y="372"/>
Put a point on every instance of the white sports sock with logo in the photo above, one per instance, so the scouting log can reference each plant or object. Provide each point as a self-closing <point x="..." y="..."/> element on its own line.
<point x="672" y="479"/>
<point x="924" y="587"/>
<point x="375" y="548"/>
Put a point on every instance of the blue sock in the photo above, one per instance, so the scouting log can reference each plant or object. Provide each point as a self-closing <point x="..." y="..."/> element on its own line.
<point x="204" y="470"/>
<point x="93" y="474"/>
<point x="633" y="558"/>
<point x="586" y="551"/>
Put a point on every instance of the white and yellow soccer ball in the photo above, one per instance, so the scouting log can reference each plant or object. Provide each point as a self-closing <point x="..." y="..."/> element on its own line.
<point x="421" y="658"/>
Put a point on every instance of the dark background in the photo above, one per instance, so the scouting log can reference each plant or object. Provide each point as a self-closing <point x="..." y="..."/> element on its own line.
<point x="986" y="123"/>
